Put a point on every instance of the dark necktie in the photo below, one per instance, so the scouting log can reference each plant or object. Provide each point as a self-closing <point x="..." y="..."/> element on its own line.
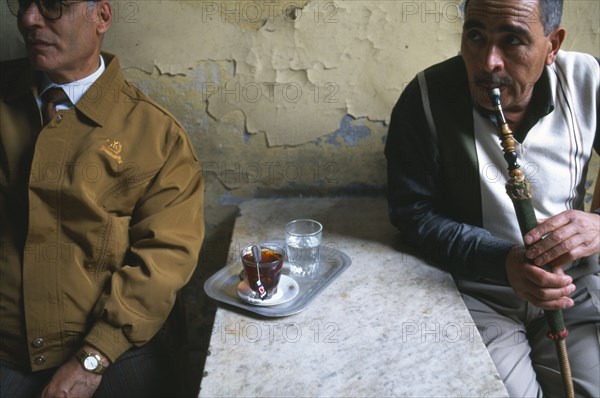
<point x="52" y="97"/>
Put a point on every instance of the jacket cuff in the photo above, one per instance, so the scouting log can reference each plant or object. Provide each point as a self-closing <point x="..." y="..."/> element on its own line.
<point x="109" y="340"/>
<point x="491" y="255"/>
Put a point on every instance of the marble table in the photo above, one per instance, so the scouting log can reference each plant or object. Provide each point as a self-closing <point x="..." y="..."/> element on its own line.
<point x="390" y="325"/>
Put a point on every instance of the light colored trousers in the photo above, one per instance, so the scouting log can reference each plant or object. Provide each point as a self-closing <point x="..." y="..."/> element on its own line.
<point x="514" y="332"/>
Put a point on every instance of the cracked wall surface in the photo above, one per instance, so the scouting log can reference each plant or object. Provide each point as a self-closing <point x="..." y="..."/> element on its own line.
<point x="288" y="97"/>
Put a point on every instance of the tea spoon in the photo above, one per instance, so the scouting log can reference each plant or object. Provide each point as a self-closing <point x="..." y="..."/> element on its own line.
<point x="256" y="252"/>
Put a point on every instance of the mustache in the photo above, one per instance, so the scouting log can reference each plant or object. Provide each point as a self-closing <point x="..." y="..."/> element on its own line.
<point x="37" y="37"/>
<point x="493" y="80"/>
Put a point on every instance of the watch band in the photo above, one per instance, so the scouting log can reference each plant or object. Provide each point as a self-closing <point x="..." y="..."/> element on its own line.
<point x="82" y="355"/>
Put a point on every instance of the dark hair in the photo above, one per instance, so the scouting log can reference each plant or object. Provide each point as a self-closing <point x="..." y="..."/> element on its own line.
<point x="550" y="14"/>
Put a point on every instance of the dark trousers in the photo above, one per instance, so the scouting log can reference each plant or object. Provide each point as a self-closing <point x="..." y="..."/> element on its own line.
<point x="140" y="372"/>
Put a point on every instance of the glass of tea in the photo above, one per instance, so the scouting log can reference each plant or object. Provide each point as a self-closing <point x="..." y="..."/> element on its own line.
<point x="268" y="268"/>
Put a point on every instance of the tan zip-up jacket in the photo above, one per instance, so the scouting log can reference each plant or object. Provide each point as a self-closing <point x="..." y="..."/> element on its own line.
<point x="101" y="219"/>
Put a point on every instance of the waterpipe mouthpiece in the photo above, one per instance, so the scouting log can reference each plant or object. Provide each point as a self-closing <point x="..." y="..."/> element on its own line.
<point x="494" y="95"/>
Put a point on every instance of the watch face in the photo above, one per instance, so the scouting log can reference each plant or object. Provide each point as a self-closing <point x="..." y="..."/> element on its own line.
<point x="90" y="363"/>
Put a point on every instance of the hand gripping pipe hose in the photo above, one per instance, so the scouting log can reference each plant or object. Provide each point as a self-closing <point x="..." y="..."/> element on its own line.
<point x="520" y="192"/>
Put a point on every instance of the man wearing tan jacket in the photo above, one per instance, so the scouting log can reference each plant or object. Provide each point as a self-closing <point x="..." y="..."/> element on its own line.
<point x="101" y="201"/>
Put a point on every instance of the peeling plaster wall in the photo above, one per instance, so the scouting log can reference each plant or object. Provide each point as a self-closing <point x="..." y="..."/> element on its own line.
<point x="288" y="97"/>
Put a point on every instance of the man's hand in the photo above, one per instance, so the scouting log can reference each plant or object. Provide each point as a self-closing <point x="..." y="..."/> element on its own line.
<point x="564" y="238"/>
<point x="71" y="380"/>
<point x="543" y="289"/>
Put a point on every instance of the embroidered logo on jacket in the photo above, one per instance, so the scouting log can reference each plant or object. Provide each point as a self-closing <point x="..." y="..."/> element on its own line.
<point x="113" y="149"/>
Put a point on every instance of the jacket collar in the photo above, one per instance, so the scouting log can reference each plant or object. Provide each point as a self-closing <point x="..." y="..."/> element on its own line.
<point x="74" y="90"/>
<point x="100" y="98"/>
<point x="95" y="105"/>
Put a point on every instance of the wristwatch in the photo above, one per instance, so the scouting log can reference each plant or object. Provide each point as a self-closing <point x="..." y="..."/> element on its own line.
<point x="90" y="362"/>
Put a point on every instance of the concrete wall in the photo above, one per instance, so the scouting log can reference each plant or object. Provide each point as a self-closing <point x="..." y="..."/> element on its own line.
<point x="288" y="97"/>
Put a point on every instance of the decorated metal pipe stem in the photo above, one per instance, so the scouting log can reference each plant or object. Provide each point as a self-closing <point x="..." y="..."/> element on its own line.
<point x="520" y="192"/>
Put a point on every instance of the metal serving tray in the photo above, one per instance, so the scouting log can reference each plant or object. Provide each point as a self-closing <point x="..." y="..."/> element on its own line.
<point x="222" y="286"/>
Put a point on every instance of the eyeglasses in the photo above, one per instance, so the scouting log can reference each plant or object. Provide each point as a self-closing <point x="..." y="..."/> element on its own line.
<point x="50" y="9"/>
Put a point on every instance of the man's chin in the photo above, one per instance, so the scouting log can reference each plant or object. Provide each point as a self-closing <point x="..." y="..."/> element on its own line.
<point x="41" y="62"/>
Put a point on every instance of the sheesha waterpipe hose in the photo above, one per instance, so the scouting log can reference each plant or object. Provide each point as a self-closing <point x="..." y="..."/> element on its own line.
<point x="520" y="192"/>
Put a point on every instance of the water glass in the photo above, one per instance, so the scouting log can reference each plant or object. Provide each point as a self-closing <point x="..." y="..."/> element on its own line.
<point x="303" y="239"/>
